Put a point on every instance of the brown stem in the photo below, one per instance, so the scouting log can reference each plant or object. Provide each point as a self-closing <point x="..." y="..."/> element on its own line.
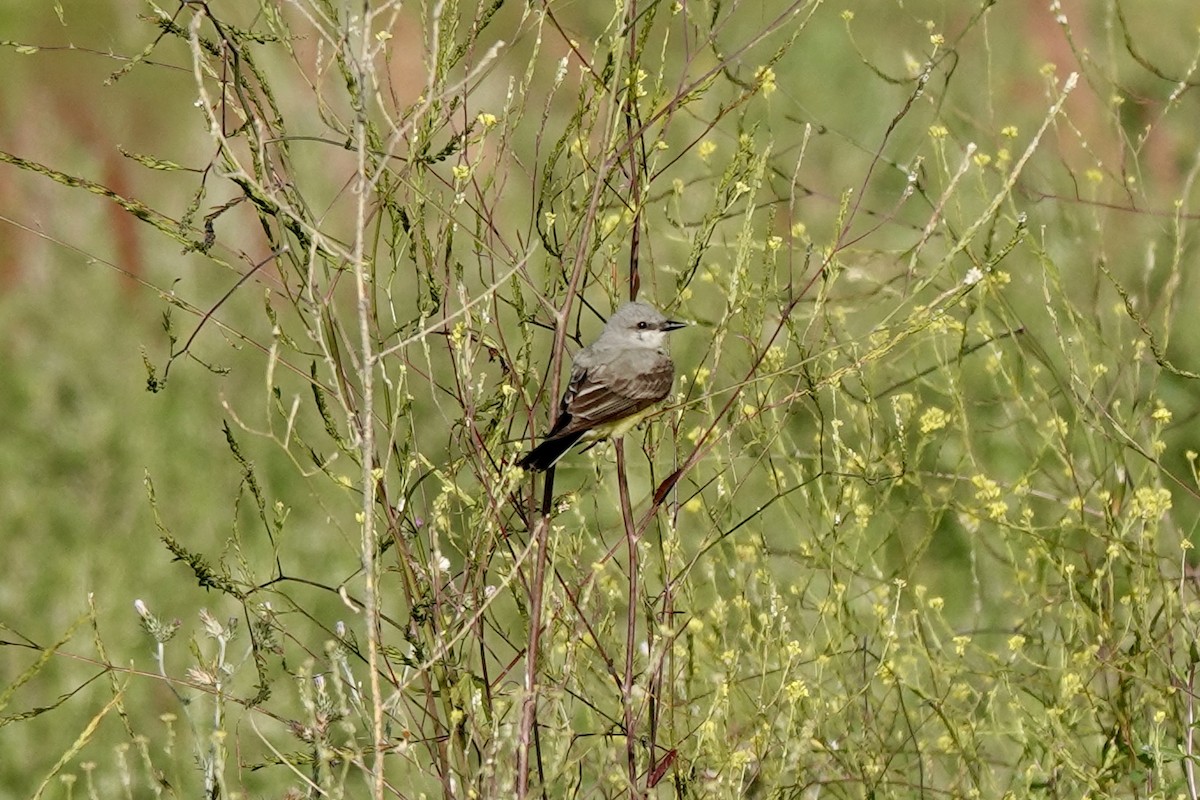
<point x="529" y="706"/>
<point x="631" y="541"/>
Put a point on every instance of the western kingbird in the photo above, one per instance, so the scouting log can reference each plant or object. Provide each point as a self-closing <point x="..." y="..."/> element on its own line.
<point x="614" y="382"/>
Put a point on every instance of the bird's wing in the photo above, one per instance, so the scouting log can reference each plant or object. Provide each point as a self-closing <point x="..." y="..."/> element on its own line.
<point x="605" y="393"/>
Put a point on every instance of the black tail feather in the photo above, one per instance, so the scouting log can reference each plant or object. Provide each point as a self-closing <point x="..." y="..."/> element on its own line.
<point x="546" y="454"/>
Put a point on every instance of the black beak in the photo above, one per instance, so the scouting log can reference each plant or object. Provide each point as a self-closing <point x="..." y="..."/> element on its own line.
<point x="674" y="325"/>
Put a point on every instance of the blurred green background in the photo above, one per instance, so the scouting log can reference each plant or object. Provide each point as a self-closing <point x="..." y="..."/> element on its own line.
<point x="83" y="285"/>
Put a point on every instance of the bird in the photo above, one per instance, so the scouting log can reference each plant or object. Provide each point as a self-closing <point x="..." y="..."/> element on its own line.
<point x="614" y="383"/>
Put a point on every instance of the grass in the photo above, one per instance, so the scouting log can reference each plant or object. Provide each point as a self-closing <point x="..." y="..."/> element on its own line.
<point x="915" y="522"/>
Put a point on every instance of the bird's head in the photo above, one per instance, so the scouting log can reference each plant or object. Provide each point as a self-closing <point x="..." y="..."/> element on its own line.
<point x="640" y="324"/>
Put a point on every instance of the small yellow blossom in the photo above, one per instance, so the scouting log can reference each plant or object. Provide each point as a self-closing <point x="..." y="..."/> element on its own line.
<point x="1057" y="425"/>
<point x="986" y="488"/>
<point x="934" y="419"/>
<point x="773" y="358"/>
<point x="636" y="83"/>
<point x="1150" y="503"/>
<point x="765" y="78"/>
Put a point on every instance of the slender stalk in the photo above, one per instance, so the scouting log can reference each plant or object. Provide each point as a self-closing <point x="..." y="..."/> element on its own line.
<point x="1189" y="761"/>
<point x="631" y="542"/>
<point x="366" y="416"/>
<point x="529" y="706"/>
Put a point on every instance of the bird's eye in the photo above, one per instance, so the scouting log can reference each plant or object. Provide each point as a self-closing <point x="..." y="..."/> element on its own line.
<point x="642" y="324"/>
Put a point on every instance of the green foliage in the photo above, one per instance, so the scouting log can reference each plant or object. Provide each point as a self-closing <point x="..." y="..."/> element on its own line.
<point x="915" y="521"/>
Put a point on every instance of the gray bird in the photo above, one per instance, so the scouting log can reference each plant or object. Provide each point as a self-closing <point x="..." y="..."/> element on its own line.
<point x="614" y="383"/>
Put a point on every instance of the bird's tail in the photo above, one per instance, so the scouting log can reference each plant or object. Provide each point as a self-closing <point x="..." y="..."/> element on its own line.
<point x="546" y="454"/>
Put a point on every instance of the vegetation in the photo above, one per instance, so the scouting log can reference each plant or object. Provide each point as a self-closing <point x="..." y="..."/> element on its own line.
<point x="295" y="284"/>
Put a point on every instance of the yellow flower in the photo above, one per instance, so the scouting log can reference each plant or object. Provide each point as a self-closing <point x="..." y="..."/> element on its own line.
<point x="765" y="78"/>
<point x="934" y="419"/>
